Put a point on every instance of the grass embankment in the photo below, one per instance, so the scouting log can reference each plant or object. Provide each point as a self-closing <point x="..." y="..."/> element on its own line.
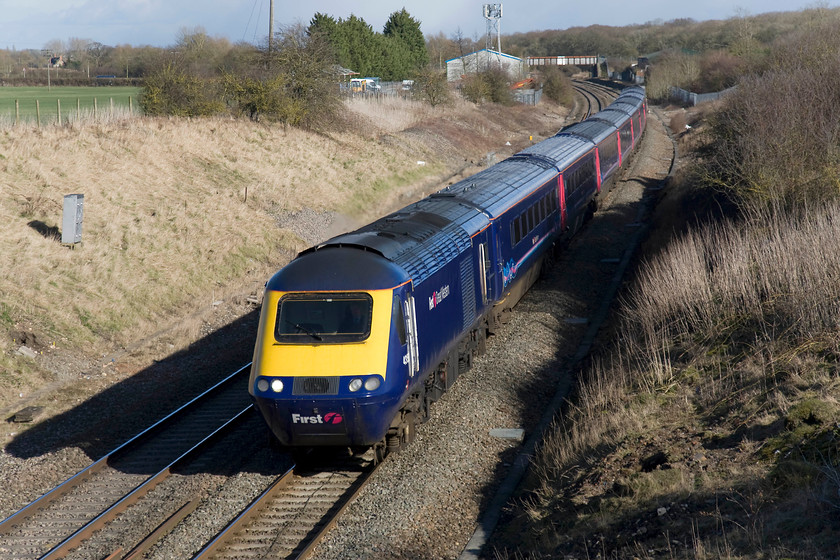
<point x="711" y="428"/>
<point x="76" y="102"/>
<point x="181" y="213"/>
<point x="709" y="425"/>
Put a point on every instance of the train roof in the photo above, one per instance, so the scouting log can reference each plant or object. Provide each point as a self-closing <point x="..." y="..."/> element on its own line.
<point x="559" y="151"/>
<point x="594" y="130"/>
<point x="614" y="117"/>
<point x="633" y="90"/>
<point x="626" y="105"/>
<point x="497" y="188"/>
<point x="337" y="269"/>
<point x="420" y="239"/>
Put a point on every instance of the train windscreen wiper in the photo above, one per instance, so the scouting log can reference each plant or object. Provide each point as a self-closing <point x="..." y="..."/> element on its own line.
<point x="306" y="330"/>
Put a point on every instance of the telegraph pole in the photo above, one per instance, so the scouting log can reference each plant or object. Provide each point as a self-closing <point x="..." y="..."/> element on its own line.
<point x="270" y="24"/>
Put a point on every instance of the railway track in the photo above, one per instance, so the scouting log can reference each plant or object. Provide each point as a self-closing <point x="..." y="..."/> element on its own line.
<point x="595" y="96"/>
<point x="94" y="499"/>
<point x="290" y="517"/>
<point x="88" y="515"/>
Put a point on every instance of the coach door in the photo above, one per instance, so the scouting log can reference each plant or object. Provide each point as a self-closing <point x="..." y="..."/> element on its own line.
<point x="483" y="269"/>
<point x="411" y="332"/>
<point x="486" y="273"/>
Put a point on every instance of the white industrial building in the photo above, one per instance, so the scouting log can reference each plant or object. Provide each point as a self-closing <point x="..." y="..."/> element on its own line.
<point x="457" y="68"/>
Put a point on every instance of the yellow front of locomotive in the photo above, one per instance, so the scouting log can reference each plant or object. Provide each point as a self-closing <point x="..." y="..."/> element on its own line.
<point x="328" y="365"/>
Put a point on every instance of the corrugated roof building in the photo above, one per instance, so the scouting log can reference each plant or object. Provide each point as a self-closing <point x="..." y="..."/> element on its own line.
<point x="457" y="68"/>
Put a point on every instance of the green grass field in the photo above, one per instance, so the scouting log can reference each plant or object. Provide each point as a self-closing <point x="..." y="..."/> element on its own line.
<point x="72" y="100"/>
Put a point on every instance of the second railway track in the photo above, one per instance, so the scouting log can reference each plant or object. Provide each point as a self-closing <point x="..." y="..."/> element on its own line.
<point x="64" y="518"/>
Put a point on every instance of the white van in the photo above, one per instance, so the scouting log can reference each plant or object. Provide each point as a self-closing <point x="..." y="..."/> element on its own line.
<point x="368" y="85"/>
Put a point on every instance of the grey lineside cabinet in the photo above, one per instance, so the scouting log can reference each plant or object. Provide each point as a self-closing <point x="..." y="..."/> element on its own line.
<point x="71" y="223"/>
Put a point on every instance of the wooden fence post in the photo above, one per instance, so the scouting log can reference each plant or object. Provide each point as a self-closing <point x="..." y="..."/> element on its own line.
<point x="17" y="112"/>
<point x="58" y="105"/>
<point x="38" y="111"/>
<point x="95" y="108"/>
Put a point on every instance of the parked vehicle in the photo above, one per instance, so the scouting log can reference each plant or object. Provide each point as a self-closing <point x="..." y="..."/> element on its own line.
<point x="365" y="85"/>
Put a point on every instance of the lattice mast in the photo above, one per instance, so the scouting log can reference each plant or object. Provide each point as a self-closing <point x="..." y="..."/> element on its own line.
<point x="493" y="15"/>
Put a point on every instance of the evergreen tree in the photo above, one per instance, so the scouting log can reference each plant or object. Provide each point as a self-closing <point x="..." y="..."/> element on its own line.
<point x="357" y="47"/>
<point x="393" y="55"/>
<point x="407" y="29"/>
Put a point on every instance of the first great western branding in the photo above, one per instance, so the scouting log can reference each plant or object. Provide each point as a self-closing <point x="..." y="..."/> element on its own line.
<point x="436" y="298"/>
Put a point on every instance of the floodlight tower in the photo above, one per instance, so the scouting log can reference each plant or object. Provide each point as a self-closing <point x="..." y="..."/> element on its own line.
<point x="493" y="15"/>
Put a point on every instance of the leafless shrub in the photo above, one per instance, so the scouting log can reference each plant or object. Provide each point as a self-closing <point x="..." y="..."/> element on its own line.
<point x="778" y="138"/>
<point x="675" y="69"/>
<point x="740" y="289"/>
<point x="678" y="122"/>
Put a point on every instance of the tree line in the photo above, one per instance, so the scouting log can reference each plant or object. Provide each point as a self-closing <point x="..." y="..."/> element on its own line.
<point x="293" y="79"/>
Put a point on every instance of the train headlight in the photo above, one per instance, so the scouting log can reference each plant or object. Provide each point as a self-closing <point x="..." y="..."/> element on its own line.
<point x="277" y="386"/>
<point x="355" y="385"/>
<point x="262" y="385"/>
<point x="372" y="383"/>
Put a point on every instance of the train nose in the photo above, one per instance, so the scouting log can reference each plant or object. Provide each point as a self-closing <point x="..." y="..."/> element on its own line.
<point x="309" y="422"/>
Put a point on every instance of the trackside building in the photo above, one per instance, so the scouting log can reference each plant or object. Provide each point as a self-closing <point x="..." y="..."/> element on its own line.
<point x="458" y="68"/>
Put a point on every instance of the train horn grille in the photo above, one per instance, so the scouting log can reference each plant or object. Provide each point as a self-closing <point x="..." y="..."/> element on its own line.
<point x="315" y="386"/>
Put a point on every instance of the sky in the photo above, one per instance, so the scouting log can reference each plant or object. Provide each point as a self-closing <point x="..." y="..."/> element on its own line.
<point x="31" y="24"/>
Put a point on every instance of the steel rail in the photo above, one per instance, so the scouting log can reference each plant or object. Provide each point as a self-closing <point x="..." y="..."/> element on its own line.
<point x="101" y="520"/>
<point x="100" y="467"/>
<point x="258" y="507"/>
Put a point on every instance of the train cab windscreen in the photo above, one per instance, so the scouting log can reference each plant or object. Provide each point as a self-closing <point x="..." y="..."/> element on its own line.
<point x="323" y="318"/>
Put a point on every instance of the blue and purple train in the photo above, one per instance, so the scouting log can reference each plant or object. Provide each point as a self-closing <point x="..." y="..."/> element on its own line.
<point x="360" y="334"/>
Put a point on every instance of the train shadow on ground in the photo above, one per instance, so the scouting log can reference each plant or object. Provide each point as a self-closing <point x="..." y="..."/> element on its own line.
<point x="593" y="253"/>
<point x="107" y="419"/>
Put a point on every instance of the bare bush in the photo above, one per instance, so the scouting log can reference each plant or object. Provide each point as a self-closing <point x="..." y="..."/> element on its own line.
<point x="294" y="82"/>
<point x="431" y="86"/>
<point x="675" y="69"/>
<point x="491" y="85"/>
<point x="678" y="122"/>
<point x="557" y="86"/>
<point x="709" y="322"/>
<point x="173" y="91"/>
<point x="777" y="140"/>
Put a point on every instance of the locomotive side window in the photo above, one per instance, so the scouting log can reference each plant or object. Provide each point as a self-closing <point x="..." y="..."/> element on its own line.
<point x="398" y="319"/>
<point x="323" y="318"/>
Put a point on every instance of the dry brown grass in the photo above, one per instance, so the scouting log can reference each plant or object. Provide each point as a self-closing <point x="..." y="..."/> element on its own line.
<point x="730" y="339"/>
<point x="181" y="213"/>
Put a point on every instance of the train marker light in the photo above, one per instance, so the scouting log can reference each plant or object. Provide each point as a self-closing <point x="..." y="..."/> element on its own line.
<point x="355" y="385"/>
<point x="262" y="385"/>
<point x="372" y="383"/>
<point x="277" y="386"/>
